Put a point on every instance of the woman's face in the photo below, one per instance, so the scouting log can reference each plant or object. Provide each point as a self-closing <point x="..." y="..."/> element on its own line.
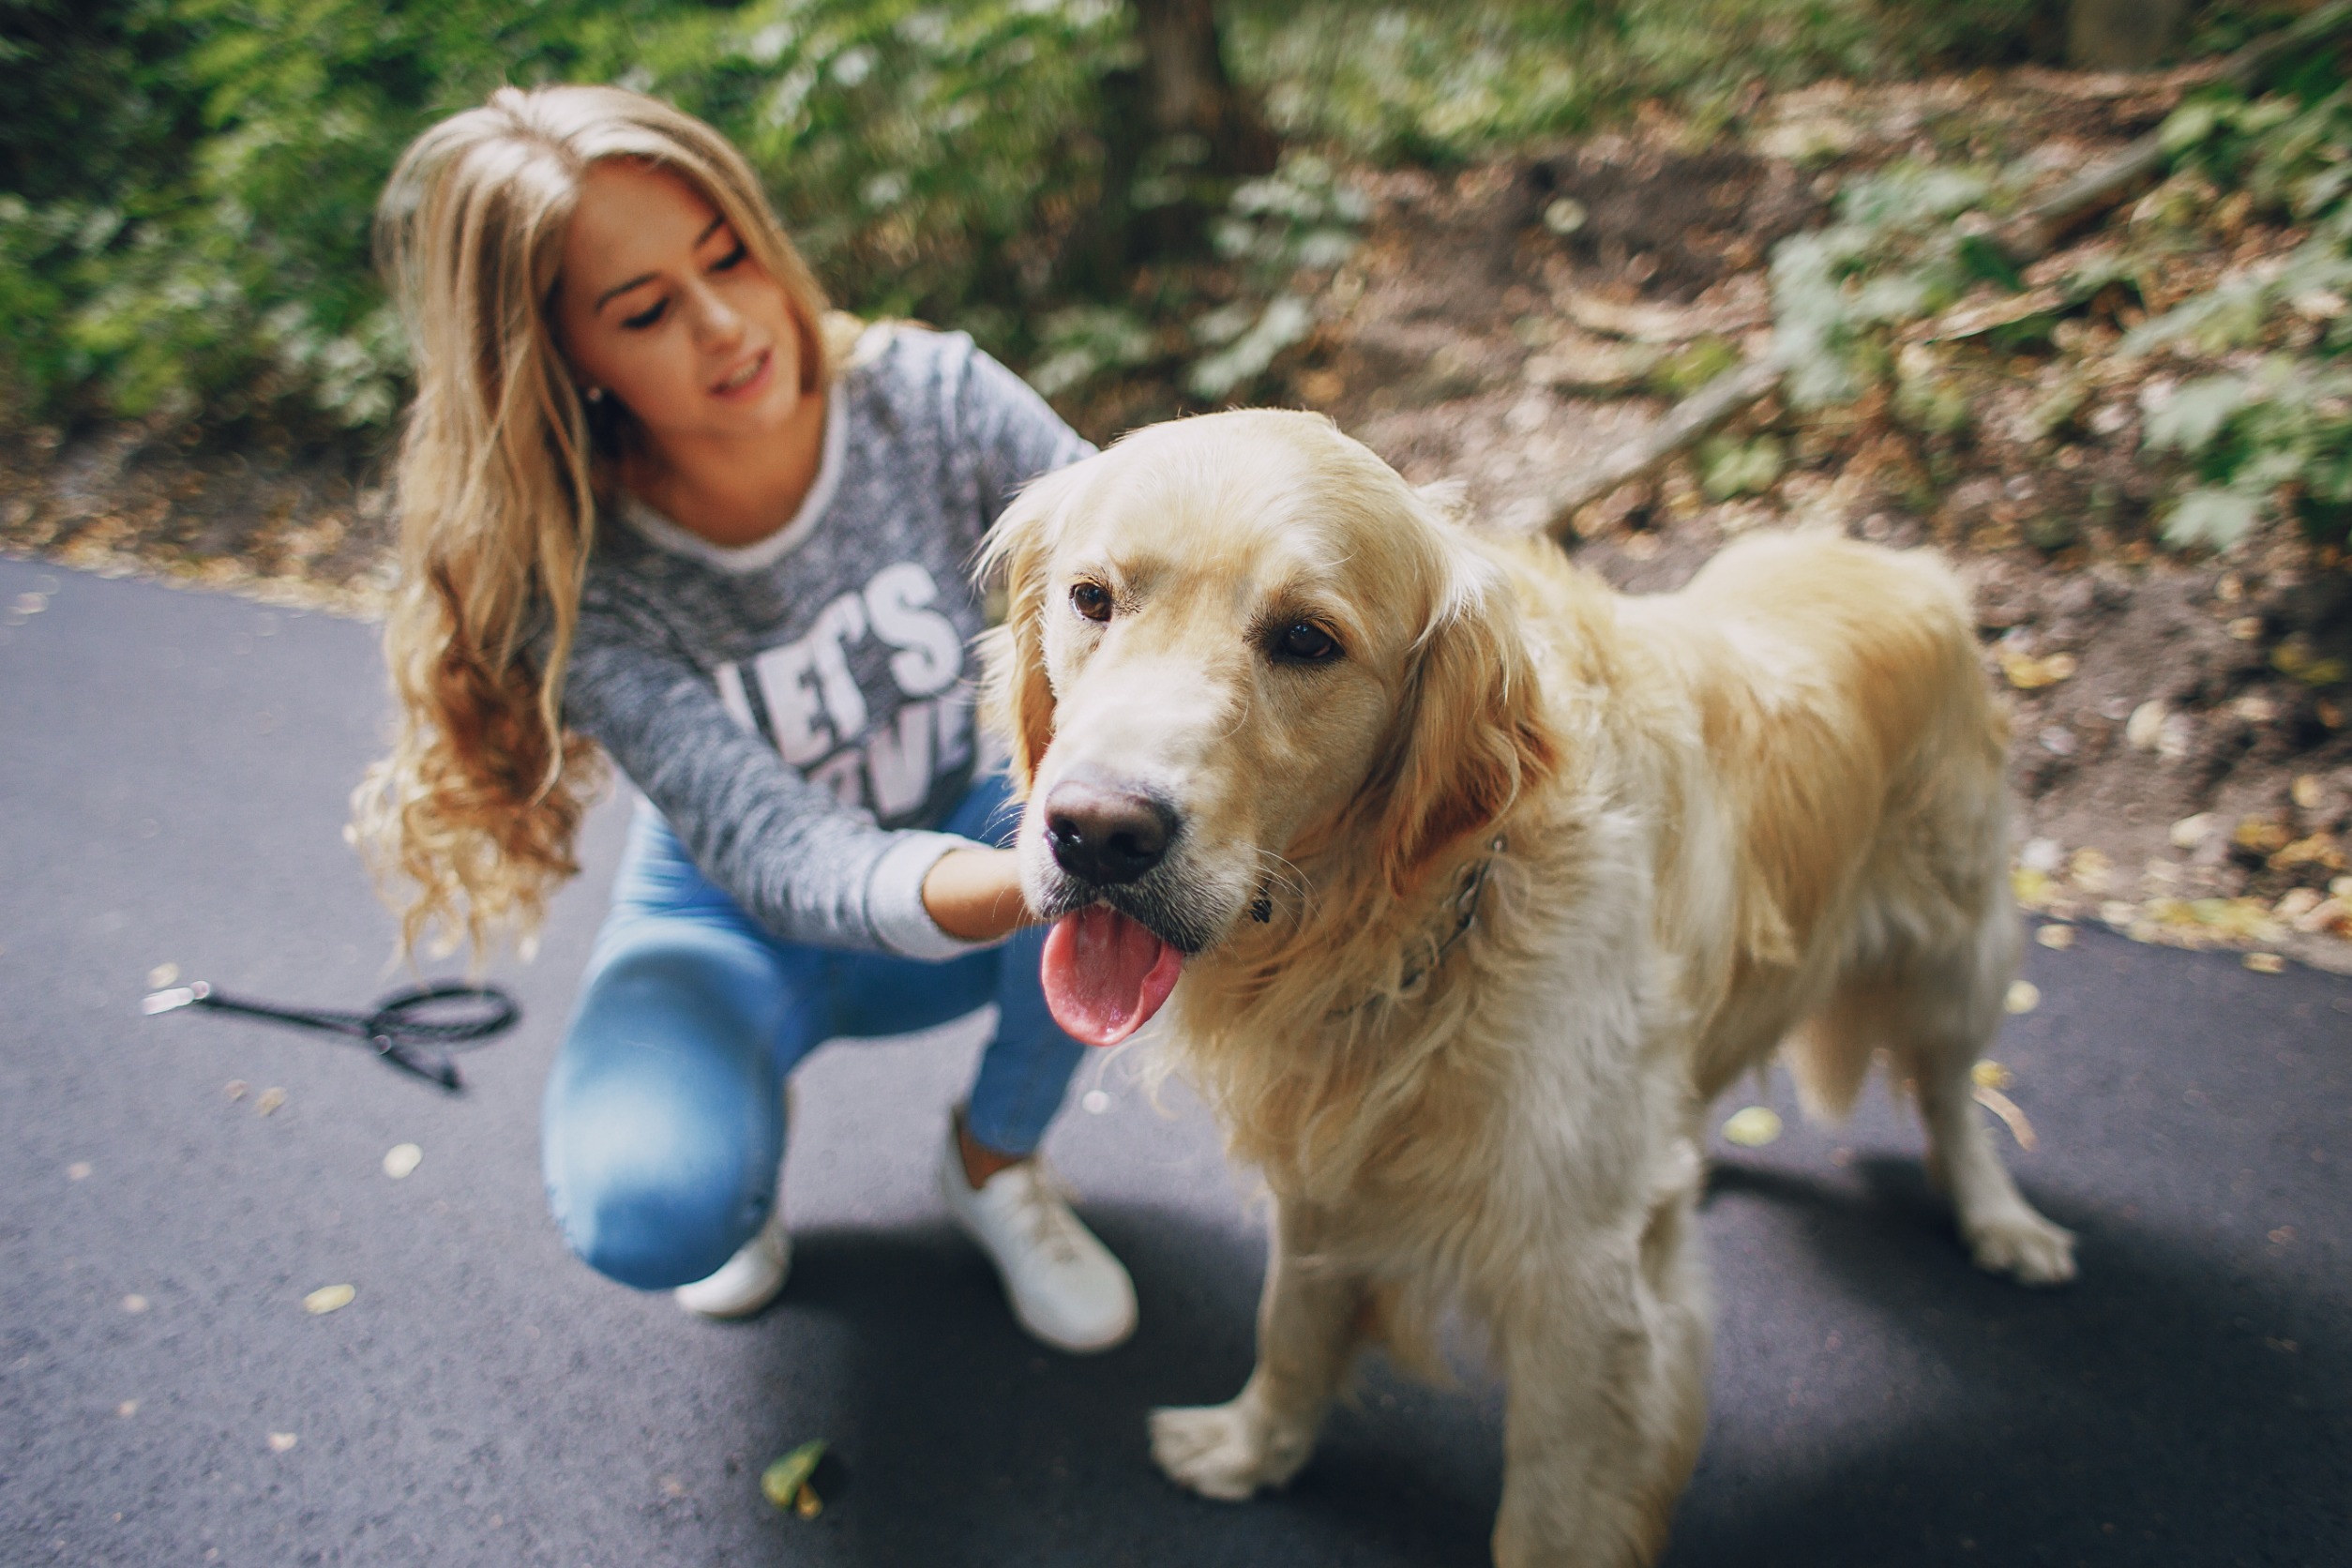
<point x="661" y="306"/>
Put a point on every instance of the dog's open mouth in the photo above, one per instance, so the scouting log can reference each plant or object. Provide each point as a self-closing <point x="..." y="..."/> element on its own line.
<point x="1106" y="974"/>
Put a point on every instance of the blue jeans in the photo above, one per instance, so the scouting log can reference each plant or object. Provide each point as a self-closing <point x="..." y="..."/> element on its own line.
<point x="663" y="1123"/>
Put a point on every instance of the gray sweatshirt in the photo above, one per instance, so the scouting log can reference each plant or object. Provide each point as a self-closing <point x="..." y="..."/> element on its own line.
<point x="801" y="709"/>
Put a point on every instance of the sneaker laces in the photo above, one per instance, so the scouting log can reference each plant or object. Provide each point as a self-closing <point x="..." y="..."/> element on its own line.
<point x="1045" y="1220"/>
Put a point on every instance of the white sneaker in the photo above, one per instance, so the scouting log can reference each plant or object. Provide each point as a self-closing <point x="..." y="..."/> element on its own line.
<point x="746" y="1282"/>
<point x="1066" y="1287"/>
<point x="754" y="1277"/>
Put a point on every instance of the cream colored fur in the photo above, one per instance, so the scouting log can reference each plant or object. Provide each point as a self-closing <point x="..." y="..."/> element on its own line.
<point x="1765" y="810"/>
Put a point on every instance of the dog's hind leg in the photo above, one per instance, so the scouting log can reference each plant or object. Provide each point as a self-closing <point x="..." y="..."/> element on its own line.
<point x="1942" y="1019"/>
<point x="1310" y="1320"/>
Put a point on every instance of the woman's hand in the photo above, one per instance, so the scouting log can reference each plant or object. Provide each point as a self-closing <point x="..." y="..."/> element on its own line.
<point x="975" y="895"/>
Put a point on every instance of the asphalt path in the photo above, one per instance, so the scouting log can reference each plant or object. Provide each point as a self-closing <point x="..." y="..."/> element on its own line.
<point x="172" y="773"/>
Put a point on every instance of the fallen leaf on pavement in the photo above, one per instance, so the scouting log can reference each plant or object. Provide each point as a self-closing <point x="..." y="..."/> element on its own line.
<point x="326" y="1299"/>
<point x="2055" y="937"/>
<point x="783" y="1482"/>
<point x="2006" y="1109"/>
<point x="2024" y="996"/>
<point x="1991" y="1074"/>
<point x="2265" y="963"/>
<point x="1753" y="1126"/>
<point x="400" y="1159"/>
<point x="162" y="976"/>
<point x="271" y="1099"/>
<point x="280" y="1441"/>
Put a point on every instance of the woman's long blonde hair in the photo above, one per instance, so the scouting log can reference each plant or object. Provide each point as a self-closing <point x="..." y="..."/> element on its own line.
<point x="470" y="823"/>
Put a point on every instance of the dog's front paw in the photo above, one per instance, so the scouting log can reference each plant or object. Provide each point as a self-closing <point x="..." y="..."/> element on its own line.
<point x="1224" y="1451"/>
<point x="2024" y="1246"/>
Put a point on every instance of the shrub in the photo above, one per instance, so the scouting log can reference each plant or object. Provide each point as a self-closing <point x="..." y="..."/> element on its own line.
<point x="2281" y="433"/>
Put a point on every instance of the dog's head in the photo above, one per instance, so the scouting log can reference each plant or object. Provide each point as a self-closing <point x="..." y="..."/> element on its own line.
<point x="1233" y="643"/>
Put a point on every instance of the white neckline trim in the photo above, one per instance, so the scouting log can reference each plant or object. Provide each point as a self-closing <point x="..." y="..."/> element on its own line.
<point x="659" y="531"/>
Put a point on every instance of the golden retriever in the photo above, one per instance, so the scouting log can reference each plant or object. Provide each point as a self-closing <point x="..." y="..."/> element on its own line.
<point x="1474" y="882"/>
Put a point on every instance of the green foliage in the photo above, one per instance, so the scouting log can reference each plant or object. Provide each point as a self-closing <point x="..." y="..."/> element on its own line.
<point x="94" y="96"/>
<point x="1928" y="399"/>
<point x="2296" y="161"/>
<point x="1693" y="365"/>
<point x="185" y="185"/>
<point x="1446" y="79"/>
<point x="2282" y="434"/>
<point x="1911" y="240"/>
<point x="1894" y="254"/>
<point x="1728" y="466"/>
<point x="227" y="267"/>
<point x="93" y="143"/>
<point x="2285" y="430"/>
<point x="927" y="156"/>
<point x="1079" y="342"/>
<point x="1299" y="218"/>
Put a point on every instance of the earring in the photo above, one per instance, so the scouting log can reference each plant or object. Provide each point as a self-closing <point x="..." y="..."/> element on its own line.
<point x="595" y="394"/>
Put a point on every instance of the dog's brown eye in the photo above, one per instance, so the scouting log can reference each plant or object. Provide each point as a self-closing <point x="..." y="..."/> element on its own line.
<point x="1304" y="643"/>
<point x="1091" y="600"/>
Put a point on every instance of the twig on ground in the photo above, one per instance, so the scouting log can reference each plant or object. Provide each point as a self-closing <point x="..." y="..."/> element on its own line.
<point x="1686" y="422"/>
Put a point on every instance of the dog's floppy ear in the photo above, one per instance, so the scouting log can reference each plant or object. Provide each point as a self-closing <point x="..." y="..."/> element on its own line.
<point x="1470" y="735"/>
<point x="1017" y="699"/>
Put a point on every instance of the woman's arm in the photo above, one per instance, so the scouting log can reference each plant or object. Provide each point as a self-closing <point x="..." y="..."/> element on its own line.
<point x="807" y="869"/>
<point x="975" y="895"/>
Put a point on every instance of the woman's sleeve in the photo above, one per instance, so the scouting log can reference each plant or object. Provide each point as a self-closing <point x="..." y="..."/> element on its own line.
<point x="1011" y="433"/>
<point x="806" y="867"/>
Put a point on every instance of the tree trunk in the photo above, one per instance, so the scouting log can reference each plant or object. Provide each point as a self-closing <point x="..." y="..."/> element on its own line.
<point x="2121" y="35"/>
<point x="1188" y="92"/>
<point x="1176" y="131"/>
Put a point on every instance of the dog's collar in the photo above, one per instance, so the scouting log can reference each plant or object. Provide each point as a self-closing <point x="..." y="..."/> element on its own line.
<point x="1464" y="904"/>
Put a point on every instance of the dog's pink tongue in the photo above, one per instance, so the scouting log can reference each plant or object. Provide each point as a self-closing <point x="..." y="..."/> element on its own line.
<point x="1106" y="975"/>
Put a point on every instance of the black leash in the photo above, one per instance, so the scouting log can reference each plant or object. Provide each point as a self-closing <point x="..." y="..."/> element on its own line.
<point x="414" y="1029"/>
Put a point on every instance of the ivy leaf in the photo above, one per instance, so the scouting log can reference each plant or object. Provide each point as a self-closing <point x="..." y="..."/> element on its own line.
<point x="2190" y="419"/>
<point x="2213" y="518"/>
<point x="2189" y="125"/>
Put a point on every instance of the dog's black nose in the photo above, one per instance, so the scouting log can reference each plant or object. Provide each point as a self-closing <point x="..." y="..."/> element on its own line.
<point x="1105" y="832"/>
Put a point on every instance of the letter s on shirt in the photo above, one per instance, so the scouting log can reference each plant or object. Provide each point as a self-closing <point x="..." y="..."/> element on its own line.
<point x="930" y="652"/>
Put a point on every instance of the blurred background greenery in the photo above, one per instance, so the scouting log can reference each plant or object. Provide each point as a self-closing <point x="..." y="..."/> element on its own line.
<point x="1497" y="238"/>
<point x="185" y="184"/>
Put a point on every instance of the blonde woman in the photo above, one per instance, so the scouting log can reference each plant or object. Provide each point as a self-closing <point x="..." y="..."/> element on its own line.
<point x="655" y="498"/>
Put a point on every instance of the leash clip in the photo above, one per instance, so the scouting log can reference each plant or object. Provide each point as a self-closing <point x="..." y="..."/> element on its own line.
<point x="177" y="997"/>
